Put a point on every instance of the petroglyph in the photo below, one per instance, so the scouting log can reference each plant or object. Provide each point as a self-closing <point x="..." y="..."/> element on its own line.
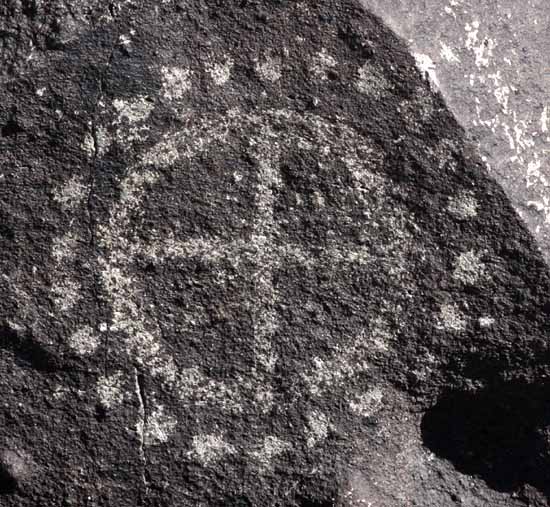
<point x="332" y="142"/>
<point x="469" y="268"/>
<point x="268" y="135"/>
<point x="257" y="257"/>
<point x="209" y="448"/>
<point x="368" y="403"/>
<point x="451" y="318"/>
<point x="84" y="341"/>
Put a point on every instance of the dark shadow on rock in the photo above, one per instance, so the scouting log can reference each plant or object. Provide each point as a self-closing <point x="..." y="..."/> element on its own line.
<point x="501" y="434"/>
<point x="7" y="484"/>
<point x="27" y="349"/>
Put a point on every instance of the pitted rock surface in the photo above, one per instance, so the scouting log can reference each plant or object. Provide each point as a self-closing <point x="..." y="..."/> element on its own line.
<point x="249" y="259"/>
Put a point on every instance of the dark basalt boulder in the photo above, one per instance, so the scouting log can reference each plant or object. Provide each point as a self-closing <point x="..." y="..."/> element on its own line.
<point x="250" y="259"/>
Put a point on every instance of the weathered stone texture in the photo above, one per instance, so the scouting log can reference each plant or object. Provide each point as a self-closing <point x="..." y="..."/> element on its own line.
<point x="249" y="259"/>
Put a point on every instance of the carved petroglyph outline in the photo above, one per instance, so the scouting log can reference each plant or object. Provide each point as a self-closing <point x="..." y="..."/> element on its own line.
<point x="261" y="248"/>
<point x="142" y="337"/>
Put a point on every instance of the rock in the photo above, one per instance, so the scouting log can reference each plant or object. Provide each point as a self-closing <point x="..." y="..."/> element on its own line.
<point x="488" y="60"/>
<point x="254" y="261"/>
<point x="16" y="469"/>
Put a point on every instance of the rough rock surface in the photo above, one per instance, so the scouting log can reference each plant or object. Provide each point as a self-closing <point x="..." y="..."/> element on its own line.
<point x="248" y="259"/>
<point x="489" y="60"/>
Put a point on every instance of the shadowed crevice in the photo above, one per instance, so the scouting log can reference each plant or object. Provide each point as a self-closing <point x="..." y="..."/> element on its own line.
<point x="501" y="434"/>
<point x="7" y="484"/>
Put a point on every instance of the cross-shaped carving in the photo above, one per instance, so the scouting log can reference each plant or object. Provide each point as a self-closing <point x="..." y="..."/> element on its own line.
<point x="269" y="135"/>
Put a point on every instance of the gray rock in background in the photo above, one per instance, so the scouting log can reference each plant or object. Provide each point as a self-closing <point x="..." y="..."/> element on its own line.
<point x="490" y="61"/>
